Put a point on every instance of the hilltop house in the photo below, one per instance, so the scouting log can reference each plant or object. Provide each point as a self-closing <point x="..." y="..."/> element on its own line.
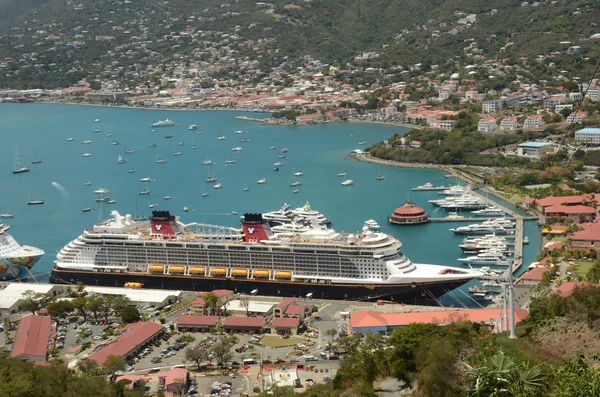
<point x="509" y="123"/>
<point x="487" y="125"/>
<point x="491" y="106"/>
<point x="535" y="121"/>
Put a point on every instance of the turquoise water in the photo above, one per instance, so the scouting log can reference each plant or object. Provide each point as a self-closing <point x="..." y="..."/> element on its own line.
<point x="40" y="131"/>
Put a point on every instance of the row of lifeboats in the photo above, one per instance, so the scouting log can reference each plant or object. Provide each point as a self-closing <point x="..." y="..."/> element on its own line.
<point x="219" y="272"/>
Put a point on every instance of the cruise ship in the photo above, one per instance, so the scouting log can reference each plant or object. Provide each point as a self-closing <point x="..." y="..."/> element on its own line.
<point x="15" y="258"/>
<point x="165" y="253"/>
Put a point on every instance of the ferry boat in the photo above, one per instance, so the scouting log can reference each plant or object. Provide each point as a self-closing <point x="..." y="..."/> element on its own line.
<point x="165" y="253"/>
<point x="164" y="123"/>
<point x="15" y="259"/>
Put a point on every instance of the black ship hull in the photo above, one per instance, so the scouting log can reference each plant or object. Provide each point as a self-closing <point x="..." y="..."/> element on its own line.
<point x="406" y="293"/>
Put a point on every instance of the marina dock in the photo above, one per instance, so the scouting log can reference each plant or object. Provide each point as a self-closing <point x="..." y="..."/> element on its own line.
<point x="518" y="258"/>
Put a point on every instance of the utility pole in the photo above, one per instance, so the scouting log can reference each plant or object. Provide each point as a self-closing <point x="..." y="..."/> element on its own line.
<point x="511" y="304"/>
<point x="505" y="304"/>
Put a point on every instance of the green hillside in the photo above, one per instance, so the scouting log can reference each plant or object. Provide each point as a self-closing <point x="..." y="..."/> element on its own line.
<point x="402" y="33"/>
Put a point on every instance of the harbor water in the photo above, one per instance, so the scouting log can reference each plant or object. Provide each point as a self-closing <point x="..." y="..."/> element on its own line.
<point x="320" y="152"/>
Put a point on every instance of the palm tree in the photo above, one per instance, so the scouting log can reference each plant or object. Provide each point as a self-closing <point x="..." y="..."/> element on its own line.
<point x="500" y="376"/>
<point x="211" y="301"/>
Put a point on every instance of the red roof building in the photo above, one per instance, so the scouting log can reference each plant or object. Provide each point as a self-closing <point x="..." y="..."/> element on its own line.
<point x="188" y="323"/>
<point x="582" y="199"/>
<point x="409" y="214"/>
<point x="285" y="326"/>
<point x="535" y="274"/>
<point x="172" y="380"/>
<point x="245" y="324"/>
<point x="587" y="239"/>
<point x="372" y="321"/>
<point x="567" y="288"/>
<point x="31" y="341"/>
<point x="133" y="338"/>
<point x="574" y="212"/>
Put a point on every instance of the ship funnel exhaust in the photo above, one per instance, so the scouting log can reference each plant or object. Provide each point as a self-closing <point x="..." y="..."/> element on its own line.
<point x="255" y="228"/>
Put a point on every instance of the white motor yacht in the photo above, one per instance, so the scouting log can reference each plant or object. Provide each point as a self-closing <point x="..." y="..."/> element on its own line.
<point x="347" y="182"/>
<point x="101" y="191"/>
<point x="261" y="181"/>
<point x="489" y="211"/>
<point x="487" y="258"/>
<point x="298" y="173"/>
<point x="146" y="179"/>
<point x="164" y="123"/>
<point x="372" y="224"/>
<point x="291" y="227"/>
<point x="193" y="127"/>
<point x="479" y="229"/>
<point x="221" y="138"/>
<point x="218" y="186"/>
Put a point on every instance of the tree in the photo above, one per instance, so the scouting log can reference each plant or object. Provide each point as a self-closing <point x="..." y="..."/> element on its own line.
<point x="197" y="354"/>
<point x="501" y="376"/>
<point x="80" y="287"/>
<point x="593" y="275"/>
<point x="118" y="304"/>
<point x="112" y="364"/>
<point x="575" y="377"/>
<point x="59" y="308"/>
<point x="222" y="350"/>
<point x="130" y="314"/>
<point x="30" y="304"/>
<point x="80" y="304"/>
<point x="332" y="333"/>
<point x="94" y="304"/>
<point x="245" y="301"/>
<point x="210" y="301"/>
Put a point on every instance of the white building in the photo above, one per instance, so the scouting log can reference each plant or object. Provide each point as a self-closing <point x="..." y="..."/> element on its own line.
<point x="491" y="106"/>
<point x="256" y="307"/>
<point x="14" y="294"/>
<point x="509" y="123"/>
<point x="534" y="121"/>
<point x="139" y="296"/>
<point x="534" y="148"/>
<point x="589" y="136"/>
<point x="487" y="125"/>
<point x="281" y="378"/>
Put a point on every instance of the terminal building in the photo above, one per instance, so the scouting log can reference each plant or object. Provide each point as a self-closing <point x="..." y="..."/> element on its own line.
<point x="140" y="296"/>
<point x="534" y="148"/>
<point x="12" y="295"/>
<point x="588" y="136"/>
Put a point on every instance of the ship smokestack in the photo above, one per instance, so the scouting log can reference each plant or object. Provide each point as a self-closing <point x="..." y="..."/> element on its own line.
<point x="163" y="225"/>
<point x="255" y="228"/>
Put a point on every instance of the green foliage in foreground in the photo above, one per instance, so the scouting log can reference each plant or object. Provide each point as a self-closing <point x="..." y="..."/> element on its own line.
<point x="583" y="305"/>
<point x="22" y="379"/>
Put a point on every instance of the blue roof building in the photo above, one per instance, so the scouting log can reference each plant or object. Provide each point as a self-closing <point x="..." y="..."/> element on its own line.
<point x="589" y="136"/>
<point x="534" y="148"/>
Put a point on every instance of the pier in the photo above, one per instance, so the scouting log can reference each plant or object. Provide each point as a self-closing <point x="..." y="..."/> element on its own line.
<point x="518" y="259"/>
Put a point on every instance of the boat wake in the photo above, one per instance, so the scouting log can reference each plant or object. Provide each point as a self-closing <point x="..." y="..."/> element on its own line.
<point x="63" y="191"/>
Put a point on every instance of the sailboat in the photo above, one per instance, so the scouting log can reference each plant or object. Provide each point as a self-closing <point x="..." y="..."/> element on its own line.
<point x="86" y="209"/>
<point x="86" y="154"/>
<point x="205" y="194"/>
<point x="379" y="177"/>
<point x="121" y="160"/>
<point x="160" y="161"/>
<point x="294" y="181"/>
<point x="31" y="201"/>
<point x="140" y="217"/>
<point x="342" y="173"/>
<point x="17" y="169"/>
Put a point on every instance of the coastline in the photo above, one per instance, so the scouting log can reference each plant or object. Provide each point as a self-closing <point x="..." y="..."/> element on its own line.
<point x="368" y="159"/>
<point x="264" y="120"/>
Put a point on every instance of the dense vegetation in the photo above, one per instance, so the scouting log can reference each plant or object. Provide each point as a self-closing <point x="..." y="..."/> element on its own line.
<point x="401" y="33"/>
